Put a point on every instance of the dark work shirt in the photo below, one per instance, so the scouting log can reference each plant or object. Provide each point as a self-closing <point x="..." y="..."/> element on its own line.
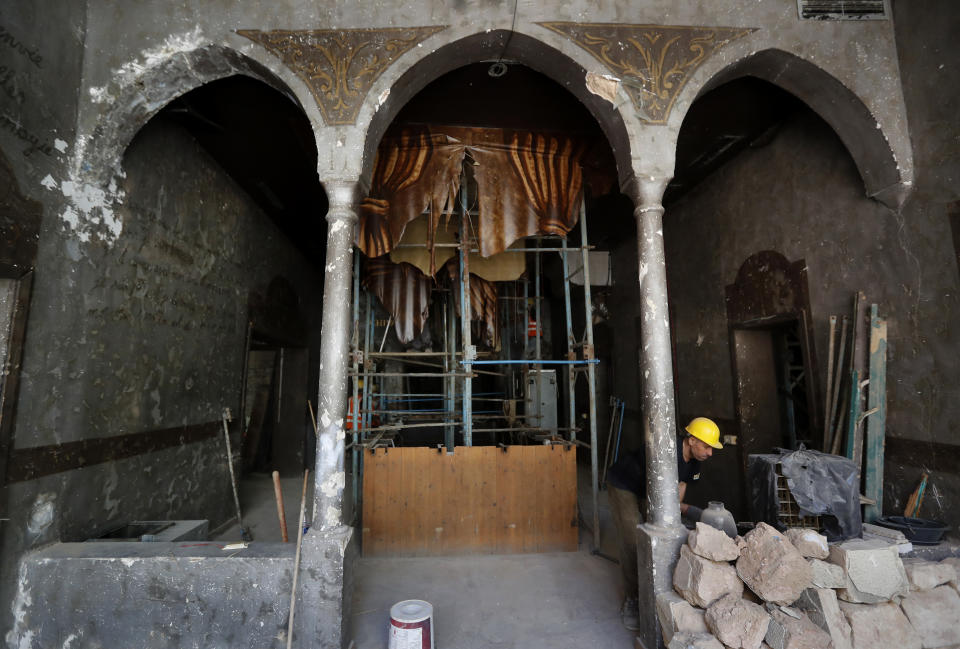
<point x="630" y="472"/>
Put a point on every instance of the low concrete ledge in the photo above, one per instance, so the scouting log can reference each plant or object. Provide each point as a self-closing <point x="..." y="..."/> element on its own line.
<point x="180" y="595"/>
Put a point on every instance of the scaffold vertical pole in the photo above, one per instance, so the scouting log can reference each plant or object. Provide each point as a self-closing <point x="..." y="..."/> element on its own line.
<point x="571" y="342"/>
<point x="465" y="318"/>
<point x="588" y="354"/>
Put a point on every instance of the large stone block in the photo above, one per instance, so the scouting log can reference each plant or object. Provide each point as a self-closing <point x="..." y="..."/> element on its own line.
<point x="826" y="575"/>
<point x="711" y="543"/>
<point x="737" y="623"/>
<point x="880" y="625"/>
<point x="874" y="571"/>
<point x="702" y="581"/>
<point x="771" y="567"/>
<point x="953" y="561"/>
<point x="927" y="575"/>
<point x="676" y="615"/>
<point x="165" y="595"/>
<point x="821" y="606"/>
<point x="789" y="632"/>
<point x="809" y="543"/>
<point x="935" y="614"/>
<point x="694" y="641"/>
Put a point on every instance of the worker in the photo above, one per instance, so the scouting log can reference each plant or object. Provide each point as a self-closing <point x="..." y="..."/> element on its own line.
<point x="627" y="489"/>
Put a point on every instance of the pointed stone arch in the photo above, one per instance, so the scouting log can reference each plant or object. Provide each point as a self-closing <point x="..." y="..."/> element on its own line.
<point x="884" y="178"/>
<point x="136" y="99"/>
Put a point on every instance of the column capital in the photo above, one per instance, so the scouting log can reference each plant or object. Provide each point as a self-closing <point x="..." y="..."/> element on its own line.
<point x="343" y="195"/>
<point x="646" y="192"/>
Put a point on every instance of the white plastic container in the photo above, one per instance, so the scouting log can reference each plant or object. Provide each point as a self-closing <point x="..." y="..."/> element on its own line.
<point x="411" y="625"/>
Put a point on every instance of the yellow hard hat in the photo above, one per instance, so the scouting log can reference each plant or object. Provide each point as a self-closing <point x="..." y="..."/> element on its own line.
<point x="705" y="430"/>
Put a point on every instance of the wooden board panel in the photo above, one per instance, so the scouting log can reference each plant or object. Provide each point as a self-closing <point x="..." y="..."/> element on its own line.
<point x="374" y="499"/>
<point x="451" y="483"/>
<point x="509" y="505"/>
<point x="479" y="499"/>
<point x="565" y="536"/>
<point x="535" y="473"/>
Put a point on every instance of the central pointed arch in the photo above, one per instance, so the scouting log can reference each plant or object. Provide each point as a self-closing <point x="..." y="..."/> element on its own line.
<point x="512" y="47"/>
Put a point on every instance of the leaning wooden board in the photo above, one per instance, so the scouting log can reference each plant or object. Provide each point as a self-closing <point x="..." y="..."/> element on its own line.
<point x="479" y="500"/>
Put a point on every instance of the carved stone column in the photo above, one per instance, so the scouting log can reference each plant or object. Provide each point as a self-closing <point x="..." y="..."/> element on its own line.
<point x="327" y="553"/>
<point x="656" y="360"/>
<point x="329" y="479"/>
<point x="660" y="538"/>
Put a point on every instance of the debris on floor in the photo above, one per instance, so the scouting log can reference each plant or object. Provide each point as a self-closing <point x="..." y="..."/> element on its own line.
<point x="861" y="595"/>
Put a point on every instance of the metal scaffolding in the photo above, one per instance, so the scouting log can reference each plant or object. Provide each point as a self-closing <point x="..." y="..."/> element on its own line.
<point x="457" y="364"/>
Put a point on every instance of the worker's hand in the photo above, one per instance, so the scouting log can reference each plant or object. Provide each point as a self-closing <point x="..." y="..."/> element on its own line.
<point x="693" y="513"/>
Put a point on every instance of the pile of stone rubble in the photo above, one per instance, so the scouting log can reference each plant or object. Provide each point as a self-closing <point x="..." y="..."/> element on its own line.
<point x="803" y="594"/>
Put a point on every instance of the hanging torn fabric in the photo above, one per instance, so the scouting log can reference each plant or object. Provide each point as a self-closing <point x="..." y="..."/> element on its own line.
<point x="504" y="267"/>
<point x="403" y="291"/>
<point x="414" y="248"/>
<point x="484" y="304"/>
<point x="414" y="171"/>
<point x="527" y="183"/>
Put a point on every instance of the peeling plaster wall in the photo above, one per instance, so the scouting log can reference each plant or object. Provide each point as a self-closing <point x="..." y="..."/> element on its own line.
<point x="145" y="334"/>
<point x="801" y="196"/>
<point x="41" y="53"/>
<point x="134" y="40"/>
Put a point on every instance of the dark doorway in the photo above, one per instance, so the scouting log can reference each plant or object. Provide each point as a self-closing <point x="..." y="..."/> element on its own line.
<point x="770" y="380"/>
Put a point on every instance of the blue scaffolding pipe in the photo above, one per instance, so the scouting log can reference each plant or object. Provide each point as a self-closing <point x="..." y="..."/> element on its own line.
<point x="428" y="400"/>
<point x="592" y="361"/>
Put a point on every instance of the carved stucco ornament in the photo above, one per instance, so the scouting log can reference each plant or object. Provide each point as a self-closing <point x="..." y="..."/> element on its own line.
<point x="340" y="65"/>
<point x="653" y="62"/>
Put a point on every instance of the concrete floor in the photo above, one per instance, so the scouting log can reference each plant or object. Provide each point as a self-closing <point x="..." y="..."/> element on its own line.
<point x="565" y="600"/>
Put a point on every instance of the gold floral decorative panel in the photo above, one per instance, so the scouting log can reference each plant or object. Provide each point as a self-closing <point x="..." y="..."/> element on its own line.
<point x="340" y="65"/>
<point x="653" y="62"/>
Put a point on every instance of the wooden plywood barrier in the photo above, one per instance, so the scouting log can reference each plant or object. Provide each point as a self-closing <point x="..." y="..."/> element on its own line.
<point x="481" y="499"/>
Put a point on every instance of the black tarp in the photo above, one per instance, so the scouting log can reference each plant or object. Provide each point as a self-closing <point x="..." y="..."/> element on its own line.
<point x="820" y="483"/>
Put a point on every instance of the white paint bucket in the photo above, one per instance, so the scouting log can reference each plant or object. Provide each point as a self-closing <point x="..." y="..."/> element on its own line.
<point x="411" y="625"/>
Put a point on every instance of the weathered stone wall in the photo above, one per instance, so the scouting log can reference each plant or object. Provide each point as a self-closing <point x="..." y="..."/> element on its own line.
<point x="144" y="334"/>
<point x="802" y="196"/>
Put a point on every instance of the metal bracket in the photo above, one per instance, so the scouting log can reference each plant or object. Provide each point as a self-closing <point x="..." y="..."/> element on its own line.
<point x="588" y="352"/>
